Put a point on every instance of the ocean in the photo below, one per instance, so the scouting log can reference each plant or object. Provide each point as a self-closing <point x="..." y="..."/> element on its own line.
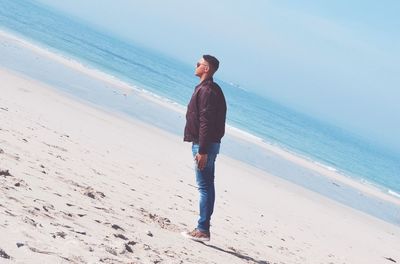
<point x="171" y="81"/>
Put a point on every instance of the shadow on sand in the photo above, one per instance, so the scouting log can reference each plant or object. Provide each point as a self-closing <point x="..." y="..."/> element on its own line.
<point x="233" y="252"/>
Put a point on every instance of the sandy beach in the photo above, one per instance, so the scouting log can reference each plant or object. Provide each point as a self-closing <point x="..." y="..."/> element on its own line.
<point x="82" y="185"/>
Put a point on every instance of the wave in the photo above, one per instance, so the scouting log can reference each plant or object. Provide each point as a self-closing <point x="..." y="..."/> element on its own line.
<point x="329" y="168"/>
<point x="396" y="194"/>
<point x="66" y="60"/>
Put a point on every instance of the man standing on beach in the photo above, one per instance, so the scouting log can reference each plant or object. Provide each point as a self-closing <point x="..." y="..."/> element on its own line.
<point x="205" y="126"/>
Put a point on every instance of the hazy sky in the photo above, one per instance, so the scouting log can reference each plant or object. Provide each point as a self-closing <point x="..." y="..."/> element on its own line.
<point x="336" y="60"/>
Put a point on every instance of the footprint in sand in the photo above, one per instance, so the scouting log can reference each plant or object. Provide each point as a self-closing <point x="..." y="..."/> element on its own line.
<point x="3" y="254"/>
<point x="90" y="192"/>
<point x="5" y="173"/>
<point x="121" y="236"/>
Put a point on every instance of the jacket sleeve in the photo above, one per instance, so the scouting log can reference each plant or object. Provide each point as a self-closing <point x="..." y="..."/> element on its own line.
<point x="207" y="114"/>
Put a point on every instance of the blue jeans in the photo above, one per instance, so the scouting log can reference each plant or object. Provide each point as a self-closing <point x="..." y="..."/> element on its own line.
<point x="205" y="183"/>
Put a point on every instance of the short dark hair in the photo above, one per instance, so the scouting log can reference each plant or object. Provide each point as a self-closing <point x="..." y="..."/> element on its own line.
<point x="212" y="61"/>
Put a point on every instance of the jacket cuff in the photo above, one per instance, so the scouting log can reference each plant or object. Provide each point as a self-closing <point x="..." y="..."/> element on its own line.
<point x="202" y="149"/>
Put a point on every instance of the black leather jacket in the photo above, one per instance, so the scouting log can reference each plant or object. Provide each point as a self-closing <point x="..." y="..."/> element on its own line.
<point x="205" y="116"/>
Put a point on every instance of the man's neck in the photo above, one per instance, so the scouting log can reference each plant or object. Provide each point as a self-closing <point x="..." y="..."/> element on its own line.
<point x="205" y="77"/>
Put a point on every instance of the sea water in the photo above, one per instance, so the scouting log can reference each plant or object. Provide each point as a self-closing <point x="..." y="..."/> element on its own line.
<point x="172" y="81"/>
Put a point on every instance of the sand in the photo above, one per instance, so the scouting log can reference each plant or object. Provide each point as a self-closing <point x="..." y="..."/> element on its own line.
<point x="82" y="185"/>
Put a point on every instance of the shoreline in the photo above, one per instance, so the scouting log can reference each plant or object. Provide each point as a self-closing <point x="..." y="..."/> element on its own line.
<point x="126" y="88"/>
<point x="381" y="192"/>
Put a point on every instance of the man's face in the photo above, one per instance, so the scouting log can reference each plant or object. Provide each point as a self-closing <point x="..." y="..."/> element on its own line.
<point x="202" y="67"/>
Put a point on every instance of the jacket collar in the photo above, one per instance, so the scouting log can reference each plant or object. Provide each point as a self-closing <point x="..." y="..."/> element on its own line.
<point x="209" y="79"/>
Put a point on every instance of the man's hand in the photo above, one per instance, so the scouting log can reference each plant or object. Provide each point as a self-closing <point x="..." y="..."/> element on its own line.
<point x="201" y="160"/>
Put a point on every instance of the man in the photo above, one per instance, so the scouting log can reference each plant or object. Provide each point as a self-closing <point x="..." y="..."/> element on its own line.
<point x="205" y="126"/>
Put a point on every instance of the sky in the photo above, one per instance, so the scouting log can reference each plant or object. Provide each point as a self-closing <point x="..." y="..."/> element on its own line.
<point x="335" y="60"/>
